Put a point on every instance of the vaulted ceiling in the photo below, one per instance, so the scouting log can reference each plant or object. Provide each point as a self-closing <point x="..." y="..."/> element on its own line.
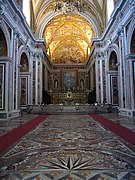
<point x="68" y="32"/>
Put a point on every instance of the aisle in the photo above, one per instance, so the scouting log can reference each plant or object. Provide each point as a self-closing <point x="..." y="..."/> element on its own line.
<point x="125" y="133"/>
<point x="67" y="147"/>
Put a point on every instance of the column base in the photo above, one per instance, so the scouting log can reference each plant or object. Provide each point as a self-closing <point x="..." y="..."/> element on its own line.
<point x="127" y="112"/>
<point x="9" y="115"/>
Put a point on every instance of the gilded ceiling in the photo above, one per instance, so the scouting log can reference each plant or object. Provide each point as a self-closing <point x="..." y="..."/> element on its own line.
<point x="68" y="34"/>
<point x="68" y="39"/>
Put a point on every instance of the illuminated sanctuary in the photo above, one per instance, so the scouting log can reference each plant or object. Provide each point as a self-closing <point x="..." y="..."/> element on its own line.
<point x="67" y="52"/>
<point x="67" y="89"/>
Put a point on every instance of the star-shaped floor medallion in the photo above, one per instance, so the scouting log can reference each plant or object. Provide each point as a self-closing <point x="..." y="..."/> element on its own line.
<point x="69" y="164"/>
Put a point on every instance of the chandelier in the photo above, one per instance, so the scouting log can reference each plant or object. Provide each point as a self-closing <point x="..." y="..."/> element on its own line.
<point x="68" y="6"/>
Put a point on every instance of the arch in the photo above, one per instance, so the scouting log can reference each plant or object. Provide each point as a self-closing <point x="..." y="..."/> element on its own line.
<point x="113" y="48"/>
<point x="113" y="62"/>
<point x="112" y="75"/>
<point x="41" y="6"/>
<point x="22" y="50"/>
<point x="25" y="82"/>
<point x="3" y="44"/>
<point x="88" y="16"/>
<point x="6" y="35"/>
<point x="24" y="63"/>
<point x="130" y="35"/>
<point x="132" y="45"/>
<point x="45" y="20"/>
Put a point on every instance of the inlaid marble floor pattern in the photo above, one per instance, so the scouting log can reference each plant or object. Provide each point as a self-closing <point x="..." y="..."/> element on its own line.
<point x="69" y="147"/>
<point x="8" y="125"/>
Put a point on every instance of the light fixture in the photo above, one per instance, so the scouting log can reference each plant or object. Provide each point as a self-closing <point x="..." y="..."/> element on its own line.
<point x="68" y="6"/>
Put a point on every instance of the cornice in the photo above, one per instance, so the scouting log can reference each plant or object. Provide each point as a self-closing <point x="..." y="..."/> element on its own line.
<point x="20" y="21"/>
<point x="117" y="10"/>
<point x="5" y="59"/>
<point x="130" y="57"/>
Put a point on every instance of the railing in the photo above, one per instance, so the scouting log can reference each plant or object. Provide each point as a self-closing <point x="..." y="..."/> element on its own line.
<point x="77" y="108"/>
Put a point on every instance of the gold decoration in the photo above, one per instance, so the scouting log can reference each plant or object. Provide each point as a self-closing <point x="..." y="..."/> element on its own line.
<point x="69" y="6"/>
<point x="68" y="39"/>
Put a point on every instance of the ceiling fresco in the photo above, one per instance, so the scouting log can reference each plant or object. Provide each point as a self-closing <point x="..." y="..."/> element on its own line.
<point x="68" y="27"/>
<point x="68" y="39"/>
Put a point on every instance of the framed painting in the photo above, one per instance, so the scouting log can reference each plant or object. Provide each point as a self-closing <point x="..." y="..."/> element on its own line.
<point x="69" y="80"/>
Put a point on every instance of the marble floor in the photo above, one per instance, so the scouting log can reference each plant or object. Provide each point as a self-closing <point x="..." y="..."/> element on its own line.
<point x="69" y="147"/>
<point x="126" y="121"/>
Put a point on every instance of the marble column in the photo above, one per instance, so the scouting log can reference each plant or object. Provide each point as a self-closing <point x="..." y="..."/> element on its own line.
<point x="92" y="78"/>
<point x="37" y="78"/>
<point x="36" y="83"/>
<point x="15" y="71"/>
<point x="97" y="76"/>
<point x="132" y="85"/>
<point x="41" y="81"/>
<point x="17" y="75"/>
<point x="124" y="42"/>
<point x="120" y="71"/>
<point x="11" y="81"/>
<point x="46" y="79"/>
<point x="30" y="99"/>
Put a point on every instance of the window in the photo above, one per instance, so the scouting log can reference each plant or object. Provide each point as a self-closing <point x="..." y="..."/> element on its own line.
<point x="26" y="10"/>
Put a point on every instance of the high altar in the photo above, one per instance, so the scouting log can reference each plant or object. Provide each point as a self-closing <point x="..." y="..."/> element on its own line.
<point x="69" y="97"/>
<point x="68" y="87"/>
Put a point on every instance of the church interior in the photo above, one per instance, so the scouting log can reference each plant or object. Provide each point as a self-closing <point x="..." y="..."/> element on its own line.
<point x="67" y="89"/>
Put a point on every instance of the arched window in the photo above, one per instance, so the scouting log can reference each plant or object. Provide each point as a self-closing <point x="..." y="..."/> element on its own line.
<point x="3" y="44"/>
<point x="110" y="7"/>
<point x="26" y="10"/>
<point x="133" y="43"/>
<point x="113" y="62"/>
<point x="24" y="63"/>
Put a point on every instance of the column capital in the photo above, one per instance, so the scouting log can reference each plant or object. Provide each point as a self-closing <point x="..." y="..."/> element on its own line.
<point x="100" y="54"/>
<point x="37" y="55"/>
<point x="108" y="42"/>
<point x="103" y="53"/>
<point x="16" y="33"/>
<point x="97" y="54"/>
<point x="120" y="32"/>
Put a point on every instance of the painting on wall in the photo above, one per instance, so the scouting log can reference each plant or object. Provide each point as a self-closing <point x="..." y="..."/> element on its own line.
<point x="114" y="90"/>
<point x="24" y="63"/>
<point x="24" y="85"/>
<point x="2" y="86"/>
<point x="69" y="80"/>
<point x="3" y="45"/>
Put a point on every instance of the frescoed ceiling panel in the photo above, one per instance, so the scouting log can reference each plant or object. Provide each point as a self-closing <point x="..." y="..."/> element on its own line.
<point x="68" y="28"/>
<point x="39" y="3"/>
<point x="68" y="39"/>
